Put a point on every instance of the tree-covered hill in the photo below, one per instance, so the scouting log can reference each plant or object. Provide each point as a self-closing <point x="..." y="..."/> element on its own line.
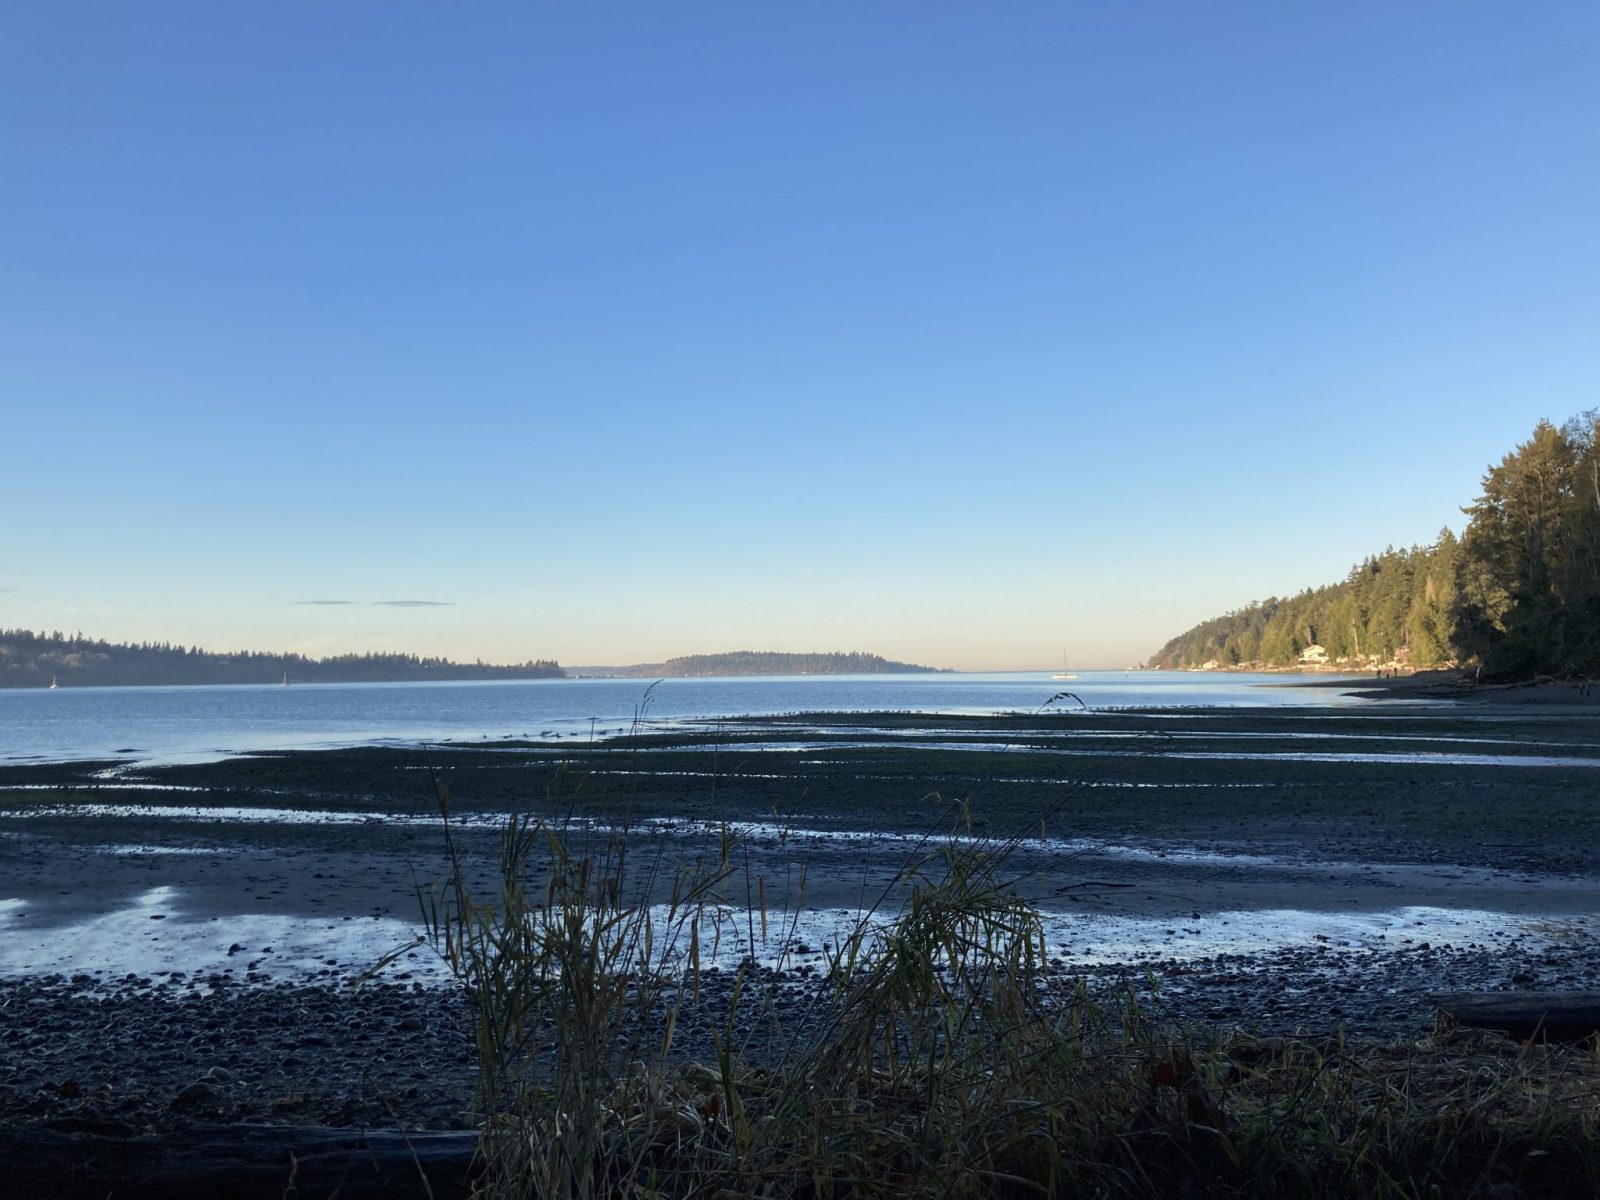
<point x="29" y="659"/>
<point x="1518" y="593"/>
<point x="762" y="662"/>
<point x="1395" y="607"/>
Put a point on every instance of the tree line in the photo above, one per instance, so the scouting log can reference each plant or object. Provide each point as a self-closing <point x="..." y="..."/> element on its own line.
<point x="772" y="662"/>
<point x="29" y="659"/>
<point x="1517" y="594"/>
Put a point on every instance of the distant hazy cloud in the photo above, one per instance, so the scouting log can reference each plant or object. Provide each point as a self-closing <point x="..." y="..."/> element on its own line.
<point x="324" y="601"/>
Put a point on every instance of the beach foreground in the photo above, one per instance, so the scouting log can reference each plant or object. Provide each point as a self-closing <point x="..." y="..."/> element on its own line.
<point x="180" y="942"/>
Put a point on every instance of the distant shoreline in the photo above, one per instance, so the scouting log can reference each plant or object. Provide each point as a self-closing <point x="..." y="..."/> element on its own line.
<point x="739" y="664"/>
<point x="1451" y="685"/>
<point x="508" y="675"/>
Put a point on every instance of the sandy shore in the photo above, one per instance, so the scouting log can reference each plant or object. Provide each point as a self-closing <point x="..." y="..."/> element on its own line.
<point x="1275" y="869"/>
<point x="1423" y="686"/>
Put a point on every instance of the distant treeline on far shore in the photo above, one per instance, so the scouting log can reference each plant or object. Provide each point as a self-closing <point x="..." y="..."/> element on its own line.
<point x="761" y="662"/>
<point x="29" y="659"/>
<point x="1518" y="593"/>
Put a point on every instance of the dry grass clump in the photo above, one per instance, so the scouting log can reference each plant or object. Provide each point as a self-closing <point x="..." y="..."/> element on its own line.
<point x="935" y="1057"/>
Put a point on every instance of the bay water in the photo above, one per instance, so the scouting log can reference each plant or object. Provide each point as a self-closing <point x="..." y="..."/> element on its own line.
<point x="196" y="723"/>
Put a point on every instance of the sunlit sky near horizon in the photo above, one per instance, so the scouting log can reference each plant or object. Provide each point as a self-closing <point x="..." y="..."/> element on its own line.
<point x="962" y="334"/>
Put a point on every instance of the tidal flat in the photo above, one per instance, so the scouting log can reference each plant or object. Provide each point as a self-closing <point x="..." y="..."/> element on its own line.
<point x="1279" y="871"/>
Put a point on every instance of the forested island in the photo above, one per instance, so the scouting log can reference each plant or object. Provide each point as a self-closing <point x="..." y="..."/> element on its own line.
<point x="761" y="662"/>
<point x="1518" y="594"/>
<point x="29" y="659"/>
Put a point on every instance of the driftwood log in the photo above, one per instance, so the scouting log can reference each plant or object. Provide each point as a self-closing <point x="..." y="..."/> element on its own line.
<point x="1559" y="1016"/>
<point x="235" y="1161"/>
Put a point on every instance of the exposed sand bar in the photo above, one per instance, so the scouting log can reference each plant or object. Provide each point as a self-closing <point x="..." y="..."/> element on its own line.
<point x="1277" y="870"/>
<point x="1140" y="835"/>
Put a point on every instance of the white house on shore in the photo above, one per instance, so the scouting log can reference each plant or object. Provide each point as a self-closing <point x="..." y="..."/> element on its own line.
<point x="1313" y="656"/>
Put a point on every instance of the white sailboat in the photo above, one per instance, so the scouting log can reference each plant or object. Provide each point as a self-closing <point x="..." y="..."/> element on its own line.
<point x="53" y="683"/>
<point x="1065" y="672"/>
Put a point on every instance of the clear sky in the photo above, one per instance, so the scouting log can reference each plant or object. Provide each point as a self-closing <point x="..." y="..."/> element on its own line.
<point x="961" y="333"/>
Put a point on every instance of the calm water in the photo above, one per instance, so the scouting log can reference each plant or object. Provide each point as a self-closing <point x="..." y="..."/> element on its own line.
<point x="181" y="723"/>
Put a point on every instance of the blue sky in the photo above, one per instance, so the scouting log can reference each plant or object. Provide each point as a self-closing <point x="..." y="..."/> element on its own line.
<point x="958" y="333"/>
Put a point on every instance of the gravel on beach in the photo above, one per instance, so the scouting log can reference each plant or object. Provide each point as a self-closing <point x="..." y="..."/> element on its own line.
<point x="146" y="1054"/>
<point x="1213" y="812"/>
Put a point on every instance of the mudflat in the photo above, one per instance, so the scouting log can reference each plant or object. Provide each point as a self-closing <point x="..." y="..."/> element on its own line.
<point x="1275" y="869"/>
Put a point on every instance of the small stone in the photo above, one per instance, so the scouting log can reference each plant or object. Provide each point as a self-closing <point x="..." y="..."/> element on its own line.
<point x="195" y="1093"/>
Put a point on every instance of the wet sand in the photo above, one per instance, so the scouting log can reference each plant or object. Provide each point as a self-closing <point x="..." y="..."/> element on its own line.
<point x="1577" y="696"/>
<point x="1274" y="869"/>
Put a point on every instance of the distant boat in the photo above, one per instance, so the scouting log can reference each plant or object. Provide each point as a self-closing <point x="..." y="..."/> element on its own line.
<point x="1065" y="672"/>
<point x="286" y="679"/>
<point x="53" y="682"/>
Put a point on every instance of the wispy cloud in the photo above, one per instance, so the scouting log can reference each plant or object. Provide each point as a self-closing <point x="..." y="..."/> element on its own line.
<point x="415" y="603"/>
<point x="7" y="588"/>
<point x="324" y="602"/>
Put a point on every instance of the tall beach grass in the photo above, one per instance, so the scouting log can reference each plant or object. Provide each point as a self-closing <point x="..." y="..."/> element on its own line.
<point x="934" y="1054"/>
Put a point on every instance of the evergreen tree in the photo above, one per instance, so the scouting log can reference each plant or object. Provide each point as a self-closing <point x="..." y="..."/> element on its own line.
<point x="1518" y="593"/>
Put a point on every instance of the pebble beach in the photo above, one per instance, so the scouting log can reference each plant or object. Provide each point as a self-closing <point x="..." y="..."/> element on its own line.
<point x="189" y="943"/>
